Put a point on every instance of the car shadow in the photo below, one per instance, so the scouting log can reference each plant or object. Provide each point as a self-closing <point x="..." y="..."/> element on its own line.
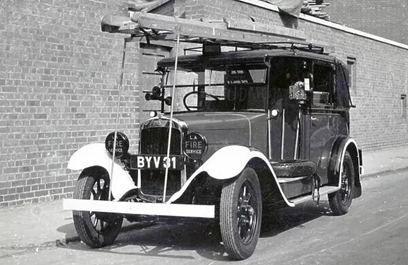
<point x="172" y="240"/>
<point x="281" y="220"/>
<point x="69" y="232"/>
<point x="162" y="240"/>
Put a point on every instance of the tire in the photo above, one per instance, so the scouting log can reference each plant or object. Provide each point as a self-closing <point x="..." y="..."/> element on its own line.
<point x="95" y="229"/>
<point x="340" y="200"/>
<point x="241" y="214"/>
<point x="294" y="168"/>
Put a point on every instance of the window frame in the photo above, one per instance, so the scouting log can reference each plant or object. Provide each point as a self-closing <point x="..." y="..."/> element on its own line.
<point x="330" y="93"/>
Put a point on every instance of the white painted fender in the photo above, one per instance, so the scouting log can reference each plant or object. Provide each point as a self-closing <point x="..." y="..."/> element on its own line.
<point x="227" y="163"/>
<point x="96" y="155"/>
<point x="343" y="147"/>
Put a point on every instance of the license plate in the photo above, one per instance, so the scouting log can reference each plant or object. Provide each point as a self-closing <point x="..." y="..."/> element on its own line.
<point x="156" y="162"/>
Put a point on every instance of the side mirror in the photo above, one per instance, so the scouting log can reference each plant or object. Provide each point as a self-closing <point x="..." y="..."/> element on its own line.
<point x="154" y="95"/>
<point x="168" y="101"/>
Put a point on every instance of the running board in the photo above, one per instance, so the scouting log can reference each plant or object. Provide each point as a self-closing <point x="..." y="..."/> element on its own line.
<point x="323" y="191"/>
<point x="288" y="180"/>
<point x="161" y="209"/>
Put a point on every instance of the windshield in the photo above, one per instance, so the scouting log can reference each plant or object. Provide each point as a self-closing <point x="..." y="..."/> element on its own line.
<point x="232" y="88"/>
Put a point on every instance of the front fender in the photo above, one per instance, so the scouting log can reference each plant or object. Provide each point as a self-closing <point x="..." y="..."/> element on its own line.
<point x="95" y="154"/>
<point x="227" y="163"/>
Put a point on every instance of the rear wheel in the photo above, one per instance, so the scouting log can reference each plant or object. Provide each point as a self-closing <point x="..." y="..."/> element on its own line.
<point x="340" y="201"/>
<point x="94" y="228"/>
<point x="240" y="214"/>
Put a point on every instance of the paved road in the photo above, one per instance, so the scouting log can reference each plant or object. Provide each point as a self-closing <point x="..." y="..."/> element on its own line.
<point x="375" y="231"/>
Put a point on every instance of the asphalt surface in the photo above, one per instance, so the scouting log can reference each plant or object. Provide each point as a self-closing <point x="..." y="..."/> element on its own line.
<point x="375" y="231"/>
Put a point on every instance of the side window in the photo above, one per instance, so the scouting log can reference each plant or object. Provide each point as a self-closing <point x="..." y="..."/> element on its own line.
<point x="342" y="94"/>
<point x="323" y="83"/>
<point x="246" y="88"/>
<point x="285" y="72"/>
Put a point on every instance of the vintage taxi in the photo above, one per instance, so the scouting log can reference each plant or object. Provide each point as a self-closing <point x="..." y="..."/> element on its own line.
<point x="239" y="135"/>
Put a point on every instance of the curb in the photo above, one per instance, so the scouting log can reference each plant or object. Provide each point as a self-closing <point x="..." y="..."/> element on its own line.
<point x="384" y="172"/>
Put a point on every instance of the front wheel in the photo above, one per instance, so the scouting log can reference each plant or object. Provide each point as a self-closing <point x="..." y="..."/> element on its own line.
<point x="340" y="201"/>
<point x="240" y="214"/>
<point x="94" y="228"/>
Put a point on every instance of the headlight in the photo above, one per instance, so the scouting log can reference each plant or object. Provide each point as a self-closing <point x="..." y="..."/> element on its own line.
<point x="122" y="144"/>
<point x="195" y="145"/>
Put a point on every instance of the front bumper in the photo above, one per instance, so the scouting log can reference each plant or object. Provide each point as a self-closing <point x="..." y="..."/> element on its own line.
<point x="139" y="208"/>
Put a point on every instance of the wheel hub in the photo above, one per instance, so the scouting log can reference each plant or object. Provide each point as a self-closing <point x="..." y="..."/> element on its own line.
<point x="345" y="185"/>
<point x="246" y="215"/>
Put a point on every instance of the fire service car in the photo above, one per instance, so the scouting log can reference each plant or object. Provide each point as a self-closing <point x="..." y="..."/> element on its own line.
<point x="241" y="133"/>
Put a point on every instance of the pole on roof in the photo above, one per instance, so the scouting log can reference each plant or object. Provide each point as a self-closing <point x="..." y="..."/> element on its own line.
<point x="117" y="116"/>
<point x="167" y="165"/>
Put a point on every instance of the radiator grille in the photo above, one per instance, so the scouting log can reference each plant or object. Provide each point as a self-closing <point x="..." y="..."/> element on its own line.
<point x="153" y="182"/>
<point x="154" y="141"/>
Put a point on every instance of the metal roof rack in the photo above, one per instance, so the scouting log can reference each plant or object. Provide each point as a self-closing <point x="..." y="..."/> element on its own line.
<point x="227" y="32"/>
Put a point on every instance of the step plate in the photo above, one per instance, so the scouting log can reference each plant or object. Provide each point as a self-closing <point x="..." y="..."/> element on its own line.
<point x="323" y="191"/>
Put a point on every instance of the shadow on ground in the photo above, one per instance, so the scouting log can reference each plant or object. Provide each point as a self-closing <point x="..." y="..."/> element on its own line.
<point x="69" y="231"/>
<point x="168" y="240"/>
<point x="284" y="219"/>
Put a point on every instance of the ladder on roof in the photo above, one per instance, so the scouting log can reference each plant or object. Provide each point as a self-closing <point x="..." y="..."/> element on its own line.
<point x="228" y="32"/>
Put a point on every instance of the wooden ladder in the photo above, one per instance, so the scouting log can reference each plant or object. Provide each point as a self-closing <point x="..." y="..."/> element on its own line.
<point x="227" y="32"/>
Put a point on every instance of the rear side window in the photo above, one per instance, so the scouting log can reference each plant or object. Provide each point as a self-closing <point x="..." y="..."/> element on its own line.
<point x="286" y="71"/>
<point x="323" y="84"/>
<point x="342" y="88"/>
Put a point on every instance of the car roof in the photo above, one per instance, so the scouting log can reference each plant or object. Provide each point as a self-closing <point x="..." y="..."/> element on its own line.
<point x="236" y="57"/>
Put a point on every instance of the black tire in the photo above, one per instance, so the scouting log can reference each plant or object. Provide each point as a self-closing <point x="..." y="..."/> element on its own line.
<point x="95" y="229"/>
<point x="340" y="200"/>
<point x="294" y="168"/>
<point x="241" y="214"/>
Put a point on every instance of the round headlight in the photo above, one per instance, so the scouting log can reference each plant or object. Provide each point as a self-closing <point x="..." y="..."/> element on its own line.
<point x="195" y="145"/>
<point x="153" y="114"/>
<point x="122" y="144"/>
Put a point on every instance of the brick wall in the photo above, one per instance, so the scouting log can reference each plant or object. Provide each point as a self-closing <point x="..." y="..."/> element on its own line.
<point x="388" y="19"/>
<point x="58" y="91"/>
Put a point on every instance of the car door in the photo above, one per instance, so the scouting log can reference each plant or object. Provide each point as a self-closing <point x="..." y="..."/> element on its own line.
<point x="285" y="121"/>
<point x="323" y="116"/>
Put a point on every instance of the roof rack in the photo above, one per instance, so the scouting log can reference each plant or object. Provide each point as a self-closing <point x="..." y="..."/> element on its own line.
<point x="227" y="32"/>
